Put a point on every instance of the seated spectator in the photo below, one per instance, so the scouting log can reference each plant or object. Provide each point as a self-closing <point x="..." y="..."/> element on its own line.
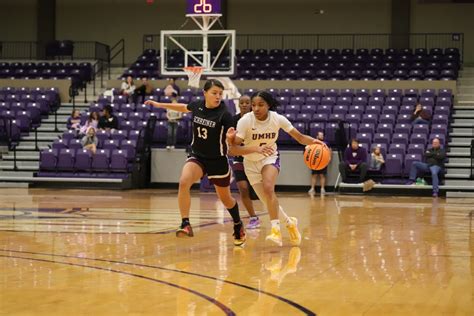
<point x="108" y="121"/>
<point x="322" y="173"/>
<point x="127" y="88"/>
<point x="90" y="141"/>
<point x="355" y="160"/>
<point x="376" y="159"/>
<point x="420" y="116"/>
<point x="171" y="88"/>
<point x="434" y="163"/>
<point x="173" y="117"/>
<point x="143" y="90"/>
<point x="74" y="122"/>
<point x="92" y="121"/>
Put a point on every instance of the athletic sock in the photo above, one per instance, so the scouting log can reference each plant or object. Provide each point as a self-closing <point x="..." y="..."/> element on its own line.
<point x="275" y="223"/>
<point x="286" y="219"/>
<point x="234" y="212"/>
<point x="184" y="222"/>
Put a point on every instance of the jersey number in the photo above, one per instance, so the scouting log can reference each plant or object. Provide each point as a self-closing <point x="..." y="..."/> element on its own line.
<point x="202" y="132"/>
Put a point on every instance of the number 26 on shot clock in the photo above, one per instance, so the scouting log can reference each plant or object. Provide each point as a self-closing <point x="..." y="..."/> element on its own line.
<point x="203" y="7"/>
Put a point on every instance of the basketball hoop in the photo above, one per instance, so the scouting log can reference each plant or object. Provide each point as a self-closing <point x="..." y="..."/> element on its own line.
<point x="194" y="75"/>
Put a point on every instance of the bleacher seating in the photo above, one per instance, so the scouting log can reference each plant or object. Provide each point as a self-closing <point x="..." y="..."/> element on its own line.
<point x="22" y="109"/>
<point x="320" y="64"/>
<point x="78" y="73"/>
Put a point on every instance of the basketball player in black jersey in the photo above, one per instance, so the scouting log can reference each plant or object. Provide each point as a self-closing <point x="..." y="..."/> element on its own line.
<point x="210" y="122"/>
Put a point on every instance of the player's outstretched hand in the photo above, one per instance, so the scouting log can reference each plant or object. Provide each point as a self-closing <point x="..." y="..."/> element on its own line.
<point x="317" y="141"/>
<point x="153" y="103"/>
<point x="266" y="150"/>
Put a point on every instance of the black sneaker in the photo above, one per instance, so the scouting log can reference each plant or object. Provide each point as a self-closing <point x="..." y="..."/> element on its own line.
<point x="239" y="234"/>
<point x="185" y="231"/>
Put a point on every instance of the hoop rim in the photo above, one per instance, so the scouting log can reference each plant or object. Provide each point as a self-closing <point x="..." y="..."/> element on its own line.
<point x="194" y="69"/>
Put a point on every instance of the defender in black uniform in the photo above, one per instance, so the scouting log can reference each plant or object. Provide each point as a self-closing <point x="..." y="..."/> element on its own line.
<point x="245" y="189"/>
<point x="210" y="122"/>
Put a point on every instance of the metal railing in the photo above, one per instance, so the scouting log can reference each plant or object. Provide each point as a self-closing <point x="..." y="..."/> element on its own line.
<point x="340" y="41"/>
<point x="116" y="50"/>
<point x="34" y="50"/>
<point x="472" y="159"/>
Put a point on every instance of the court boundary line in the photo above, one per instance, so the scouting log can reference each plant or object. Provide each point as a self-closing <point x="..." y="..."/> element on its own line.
<point x="250" y="288"/>
<point x="220" y="305"/>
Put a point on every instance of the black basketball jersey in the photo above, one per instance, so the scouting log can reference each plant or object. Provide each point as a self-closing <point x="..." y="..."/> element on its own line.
<point x="235" y="120"/>
<point x="209" y="129"/>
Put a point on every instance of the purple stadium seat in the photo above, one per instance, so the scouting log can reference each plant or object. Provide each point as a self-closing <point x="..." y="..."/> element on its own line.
<point x="367" y="128"/>
<point x="421" y="129"/>
<point x="376" y="101"/>
<point x="320" y="117"/>
<point x="403" y="129"/>
<point x="364" y="138"/>
<point x="48" y="159"/>
<point x="400" y="138"/>
<point x="409" y="160"/>
<point x="130" y="146"/>
<point x="418" y="138"/>
<point x="393" y="165"/>
<point x="65" y="160"/>
<point x="315" y="127"/>
<point x="160" y="133"/>
<point x="353" y="118"/>
<point x="439" y="129"/>
<point x="59" y="144"/>
<point x="309" y="109"/>
<point x="119" y="161"/>
<point x="75" y="144"/>
<point x="404" y="119"/>
<point x="385" y="128"/>
<point x="369" y="118"/>
<point x="441" y="137"/>
<point x="373" y="110"/>
<point x="101" y="160"/>
<point x="418" y="149"/>
<point x="364" y="93"/>
<point x="381" y="138"/>
<point x="397" y="149"/>
<point x="83" y="160"/>
<point x="340" y="109"/>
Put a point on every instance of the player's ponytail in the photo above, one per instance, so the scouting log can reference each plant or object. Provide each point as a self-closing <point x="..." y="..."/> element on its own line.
<point x="268" y="98"/>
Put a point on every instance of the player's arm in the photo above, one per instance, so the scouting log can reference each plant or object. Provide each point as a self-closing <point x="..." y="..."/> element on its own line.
<point x="304" y="139"/>
<point x="180" y="107"/>
<point x="235" y="148"/>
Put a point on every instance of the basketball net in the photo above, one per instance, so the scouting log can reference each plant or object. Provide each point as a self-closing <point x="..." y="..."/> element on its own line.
<point x="194" y="75"/>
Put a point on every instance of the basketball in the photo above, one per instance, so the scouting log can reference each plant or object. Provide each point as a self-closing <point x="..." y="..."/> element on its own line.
<point x="317" y="156"/>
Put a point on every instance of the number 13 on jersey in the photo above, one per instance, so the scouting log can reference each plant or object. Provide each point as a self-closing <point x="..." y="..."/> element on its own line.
<point x="202" y="132"/>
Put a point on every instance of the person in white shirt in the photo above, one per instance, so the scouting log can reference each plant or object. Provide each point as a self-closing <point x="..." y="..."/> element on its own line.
<point x="258" y="132"/>
<point x="128" y="87"/>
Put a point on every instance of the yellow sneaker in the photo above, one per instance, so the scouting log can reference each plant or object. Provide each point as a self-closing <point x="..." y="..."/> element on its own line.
<point x="295" y="236"/>
<point x="275" y="236"/>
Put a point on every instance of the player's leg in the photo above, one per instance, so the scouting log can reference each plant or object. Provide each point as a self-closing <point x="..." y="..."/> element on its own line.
<point x="219" y="176"/>
<point x="192" y="171"/>
<point x="269" y="176"/>
<point x="314" y="180"/>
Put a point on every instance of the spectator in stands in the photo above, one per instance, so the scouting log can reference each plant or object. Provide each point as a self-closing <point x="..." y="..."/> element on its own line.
<point x="173" y="117"/>
<point x="434" y="163"/>
<point x="108" y="121"/>
<point x="90" y="141"/>
<point x="74" y="122"/>
<point x="355" y="160"/>
<point x="171" y="88"/>
<point x="376" y="159"/>
<point x="92" y="121"/>
<point x="420" y="116"/>
<point x="128" y="87"/>
<point x="142" y="91"/>
<point x="322" y="173"/>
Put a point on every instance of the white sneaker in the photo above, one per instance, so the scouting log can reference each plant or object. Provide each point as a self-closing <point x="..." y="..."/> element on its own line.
<point x="311" y="191"/>
<point x="168" y="147"/>
<point x="323" y="192"/>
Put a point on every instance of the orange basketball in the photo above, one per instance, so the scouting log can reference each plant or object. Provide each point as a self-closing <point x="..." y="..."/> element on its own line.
<point x="316" y="156"/>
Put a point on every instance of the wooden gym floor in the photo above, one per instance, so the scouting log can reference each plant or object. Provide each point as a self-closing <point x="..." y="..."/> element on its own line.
<point x="86" y="252"/>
